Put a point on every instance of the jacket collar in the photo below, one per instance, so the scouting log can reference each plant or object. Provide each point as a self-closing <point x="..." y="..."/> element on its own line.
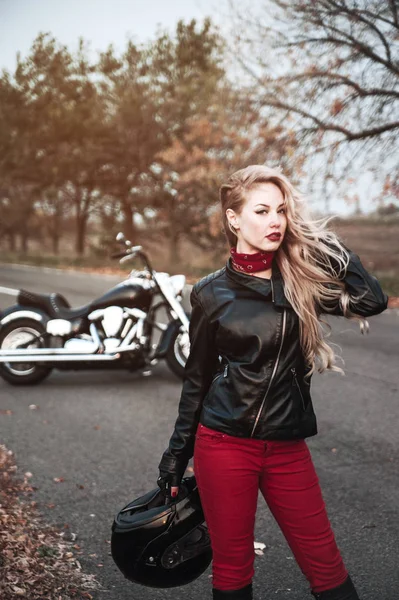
<point x="275" y="286"/>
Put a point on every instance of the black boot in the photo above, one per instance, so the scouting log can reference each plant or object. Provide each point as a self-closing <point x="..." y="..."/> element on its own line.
<point x="244" y="593"/>
<point x="345" y="591"/>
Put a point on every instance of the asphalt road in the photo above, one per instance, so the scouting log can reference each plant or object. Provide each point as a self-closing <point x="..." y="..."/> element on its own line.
<point x="104" y="433"/>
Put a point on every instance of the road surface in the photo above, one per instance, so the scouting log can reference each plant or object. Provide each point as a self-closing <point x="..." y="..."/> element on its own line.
<point x="104" y="433"/>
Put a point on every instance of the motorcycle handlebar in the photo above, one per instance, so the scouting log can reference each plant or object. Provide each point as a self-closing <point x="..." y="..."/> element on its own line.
<point x="130" y="253"/>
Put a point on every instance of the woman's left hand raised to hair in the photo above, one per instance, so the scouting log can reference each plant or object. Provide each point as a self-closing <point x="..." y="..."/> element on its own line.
<point x="393" y="302"/>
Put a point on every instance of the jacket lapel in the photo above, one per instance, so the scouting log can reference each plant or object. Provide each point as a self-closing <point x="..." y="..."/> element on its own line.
<point x="262" y="286"/>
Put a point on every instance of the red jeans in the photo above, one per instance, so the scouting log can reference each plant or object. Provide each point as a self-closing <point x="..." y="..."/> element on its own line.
<point x="229" y="471"/>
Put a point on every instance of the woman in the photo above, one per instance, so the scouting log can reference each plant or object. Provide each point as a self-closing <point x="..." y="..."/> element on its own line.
<point x="245" y="407"/>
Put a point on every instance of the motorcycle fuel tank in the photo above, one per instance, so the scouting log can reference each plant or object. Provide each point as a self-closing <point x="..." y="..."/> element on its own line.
<point x="128" y="293"/>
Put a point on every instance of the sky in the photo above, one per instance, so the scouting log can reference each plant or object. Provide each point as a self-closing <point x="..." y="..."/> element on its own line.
<point x="99" y="21"/>
<point x="102" y="22"/>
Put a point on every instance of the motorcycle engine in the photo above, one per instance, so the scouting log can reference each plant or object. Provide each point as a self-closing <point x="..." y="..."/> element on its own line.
<point x="112" y="321"/>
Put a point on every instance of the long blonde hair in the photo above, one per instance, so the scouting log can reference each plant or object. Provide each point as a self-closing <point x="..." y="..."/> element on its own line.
<point x="305" y="258"/>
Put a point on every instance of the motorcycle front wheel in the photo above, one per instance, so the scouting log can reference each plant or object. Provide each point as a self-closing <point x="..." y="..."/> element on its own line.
<point x="12" y="336"/>
<point x="177" y="352"/>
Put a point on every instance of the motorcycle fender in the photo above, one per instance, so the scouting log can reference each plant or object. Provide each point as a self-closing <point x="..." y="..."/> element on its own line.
<point x="166" y="338"/>
<point x="17" y="311"/>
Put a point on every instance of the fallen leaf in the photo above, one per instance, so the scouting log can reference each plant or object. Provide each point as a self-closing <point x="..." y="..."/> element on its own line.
<point x="259" y="545"/>
<point x="58" y="479"/>
<point x="19" y="591"/>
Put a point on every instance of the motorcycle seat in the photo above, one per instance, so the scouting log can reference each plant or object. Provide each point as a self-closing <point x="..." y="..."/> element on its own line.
<point x="55" y="305"/>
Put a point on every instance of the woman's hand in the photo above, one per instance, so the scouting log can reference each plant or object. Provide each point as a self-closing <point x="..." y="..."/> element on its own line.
<point x="169" y="484"/>
<point x="393" y="302"/>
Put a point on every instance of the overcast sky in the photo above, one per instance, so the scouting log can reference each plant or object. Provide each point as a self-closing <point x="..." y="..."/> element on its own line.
<point x="102" y="22"/>
<point x="99" y="21"/>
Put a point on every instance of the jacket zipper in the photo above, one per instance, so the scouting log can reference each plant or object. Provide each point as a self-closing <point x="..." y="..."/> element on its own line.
<point x="224" y="373"/>
<point x="272" y="375"/>
<point x="298" y="386"/>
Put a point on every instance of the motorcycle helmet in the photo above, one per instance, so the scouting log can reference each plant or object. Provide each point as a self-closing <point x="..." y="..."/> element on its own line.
<point x="162" y="545"/>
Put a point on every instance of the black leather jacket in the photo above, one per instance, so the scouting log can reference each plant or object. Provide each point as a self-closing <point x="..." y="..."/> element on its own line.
<point x="244" y="374"/>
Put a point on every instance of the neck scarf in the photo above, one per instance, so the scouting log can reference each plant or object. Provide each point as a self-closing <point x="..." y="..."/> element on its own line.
<point x="252" y="262"/>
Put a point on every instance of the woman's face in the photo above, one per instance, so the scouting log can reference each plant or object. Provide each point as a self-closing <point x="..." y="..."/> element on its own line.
<point x="263" y="213"/>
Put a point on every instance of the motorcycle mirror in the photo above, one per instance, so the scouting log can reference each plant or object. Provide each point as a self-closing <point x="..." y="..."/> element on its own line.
<point x="121" y="238"/>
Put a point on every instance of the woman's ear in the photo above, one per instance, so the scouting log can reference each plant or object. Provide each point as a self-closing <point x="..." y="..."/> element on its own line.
<point x="231" y="217"/>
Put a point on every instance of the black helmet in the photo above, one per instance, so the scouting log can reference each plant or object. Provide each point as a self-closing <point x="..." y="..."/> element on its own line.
<point x="162" y="545"/>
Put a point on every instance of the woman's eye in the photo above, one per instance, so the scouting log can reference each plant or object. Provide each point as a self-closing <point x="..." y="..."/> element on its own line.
<point x="263" y="211"/>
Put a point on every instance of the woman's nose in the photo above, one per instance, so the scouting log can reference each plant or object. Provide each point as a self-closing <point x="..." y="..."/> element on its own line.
<point x="275" y="220"/>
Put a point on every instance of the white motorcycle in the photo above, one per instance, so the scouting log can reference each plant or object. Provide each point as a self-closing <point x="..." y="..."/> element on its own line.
<point x="42" y="332"/>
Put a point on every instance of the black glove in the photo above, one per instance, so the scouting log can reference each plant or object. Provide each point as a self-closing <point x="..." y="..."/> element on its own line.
<point x="166" y="481"/>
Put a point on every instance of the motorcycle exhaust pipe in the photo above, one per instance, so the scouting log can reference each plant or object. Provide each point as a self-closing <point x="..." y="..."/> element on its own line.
<point x="25" y="358"/>
<point x="54" y="355"/>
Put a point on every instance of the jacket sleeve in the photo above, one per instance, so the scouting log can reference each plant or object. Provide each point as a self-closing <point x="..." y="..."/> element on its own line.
<point x="202" y="362"/>
<point x="358" y="282"/>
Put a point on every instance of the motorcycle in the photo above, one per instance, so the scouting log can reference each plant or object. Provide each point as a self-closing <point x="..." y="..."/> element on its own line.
<point x="42" y="332"/>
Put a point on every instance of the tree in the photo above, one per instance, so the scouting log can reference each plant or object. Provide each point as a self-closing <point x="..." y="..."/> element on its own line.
<point x="332" y="67"/>
<point x="227" y="136"/>
<point x="134" y="134"/>
<point x="60" y="129"/>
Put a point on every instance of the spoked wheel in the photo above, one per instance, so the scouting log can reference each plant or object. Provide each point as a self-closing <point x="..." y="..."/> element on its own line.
<point x="13" y="336"/>
<point x="178" y="351"/>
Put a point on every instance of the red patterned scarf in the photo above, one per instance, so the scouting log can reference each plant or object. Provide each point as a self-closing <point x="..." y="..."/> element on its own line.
<point x="253" y="262"/>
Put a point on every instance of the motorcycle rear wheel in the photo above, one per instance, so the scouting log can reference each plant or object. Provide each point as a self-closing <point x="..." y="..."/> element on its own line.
<point x="11" y="335"/>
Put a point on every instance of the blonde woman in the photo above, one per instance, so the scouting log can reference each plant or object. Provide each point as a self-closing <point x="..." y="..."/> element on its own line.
<point x="245" y="407"/>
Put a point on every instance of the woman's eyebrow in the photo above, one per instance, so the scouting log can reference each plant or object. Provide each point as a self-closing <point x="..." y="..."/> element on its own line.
<point x="262" y="204"/>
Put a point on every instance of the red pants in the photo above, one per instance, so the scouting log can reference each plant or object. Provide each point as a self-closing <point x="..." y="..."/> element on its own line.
<point x="229" y="472"/>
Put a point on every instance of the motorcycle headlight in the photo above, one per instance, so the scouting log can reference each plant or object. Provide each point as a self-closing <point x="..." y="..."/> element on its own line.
<point x="178" y="282"/>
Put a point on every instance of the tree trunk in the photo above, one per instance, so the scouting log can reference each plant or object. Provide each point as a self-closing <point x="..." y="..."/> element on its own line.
<point x="128" y="225"/>
<point x="174" y="247"/>
<point x="56" y="229"/>
<point x="82" y="203"/>
<point x="55" y="239"/>
<point x="24" y="242"/>
<point x="80" y="241"/>
<point x="11" y="241"/>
